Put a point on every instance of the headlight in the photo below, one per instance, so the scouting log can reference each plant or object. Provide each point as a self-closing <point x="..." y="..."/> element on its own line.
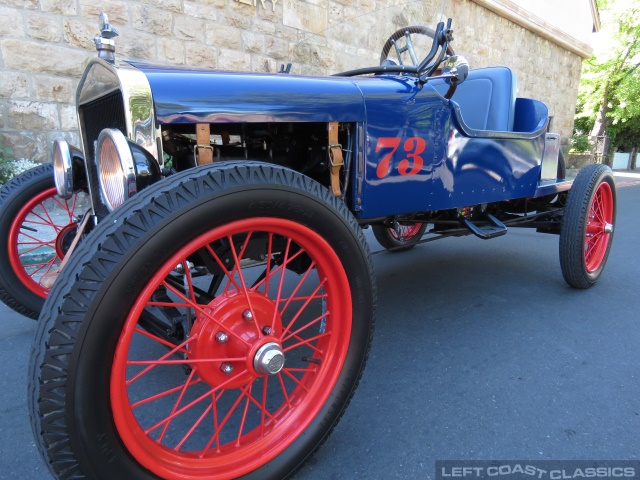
<point x="63" y="155"/>
<point x="124" y="167"/>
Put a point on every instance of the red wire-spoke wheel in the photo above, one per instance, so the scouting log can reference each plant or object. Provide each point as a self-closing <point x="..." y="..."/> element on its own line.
<point x="209" y="406"/>
<point x="588" y="226"/>
<point x="40" y="236"/>
<point x="401" y="236"/>
<point x="37" y="227"/>
<point x="224" y="320"/>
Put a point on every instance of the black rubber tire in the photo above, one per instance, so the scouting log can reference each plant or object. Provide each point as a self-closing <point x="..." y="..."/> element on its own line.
<point x="562" y="166"/>
<point x="390" y="242"/>
<point x="574" y="224"/>
<point x="418" y="29"/>
<point x="73" y="349"/>
<point x="13" y="196"/>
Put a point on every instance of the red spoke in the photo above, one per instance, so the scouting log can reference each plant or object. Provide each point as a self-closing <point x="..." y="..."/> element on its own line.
<point x="192" y="403"/>
<point x="306" y="342"/>
<point x="27" y="220"/>
<point x="279" y="294"/>
<point x="186" y="361"/>
<point x="304" y="306"/>
<point x="47" y="222"/>
<point x="214" y="437"/>
<point x="278" y="268"/>
<point x="158" y="339"/>
<point x="198" y="308"/>
<point x="46" y="212"/>
<point x="187" y="272"/>
<point x="150" y="367"/>
<point x="222" y="266"/>
<point x="244" y="415"/>
<point x="263" y="407"/>
<point x="237" y="266"/>
<point x="290" y="375"/>
<point x="193" y="427"/>
<point x="300" y="299"/>
<point x="216" y="434"/>
<point x="312" y="347"/>
<point x="298" y="286"/>
<point x="37" y="239"/>
<point x="177" y="403"/>
<point x="268" y="274"/>
<point x="160" y="395"/>
<point x="304" y="327"/>
<point x="284" y="389"/>
<point x="310" y="370"/>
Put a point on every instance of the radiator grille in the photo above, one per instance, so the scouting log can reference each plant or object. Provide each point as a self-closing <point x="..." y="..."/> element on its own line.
<point x="105" y="112"/>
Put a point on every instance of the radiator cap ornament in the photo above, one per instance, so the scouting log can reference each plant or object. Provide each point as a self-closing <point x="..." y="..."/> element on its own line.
<point x="104" y="42"/>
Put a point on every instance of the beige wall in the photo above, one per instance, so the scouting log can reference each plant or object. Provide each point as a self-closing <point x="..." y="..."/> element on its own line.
<point x="44" y="44"/>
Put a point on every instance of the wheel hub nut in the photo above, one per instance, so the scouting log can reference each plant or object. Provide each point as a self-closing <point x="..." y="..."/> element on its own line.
<point x="608" y="228"/>
<point x="247" y="315"/>
<point x="222" y="337"/>
<point x="269" y="359"/>
<point x="226" y="368"/>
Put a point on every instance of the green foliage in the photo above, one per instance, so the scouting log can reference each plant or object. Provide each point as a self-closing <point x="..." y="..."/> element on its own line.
<point x="6" y="172"/>
<point x="580" y="144"/>
<point x="610" y="83"/>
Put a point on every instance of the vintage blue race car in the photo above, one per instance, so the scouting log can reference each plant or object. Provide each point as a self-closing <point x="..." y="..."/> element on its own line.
<point x="216" y="320"/>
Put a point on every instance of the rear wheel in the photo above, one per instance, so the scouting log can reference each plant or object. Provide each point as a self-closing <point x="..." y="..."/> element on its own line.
<point x="400" y="237"/>
<point x="36" y="229"/>
<point x="587" y="226"/>
<point x="240" y="313"/>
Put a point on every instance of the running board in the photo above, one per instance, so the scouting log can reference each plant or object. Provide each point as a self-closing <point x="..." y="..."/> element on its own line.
<point x="494" y="229"/>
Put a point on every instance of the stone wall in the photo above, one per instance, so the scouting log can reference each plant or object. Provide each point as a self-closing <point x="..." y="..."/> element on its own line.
<point x="44" y="45"/>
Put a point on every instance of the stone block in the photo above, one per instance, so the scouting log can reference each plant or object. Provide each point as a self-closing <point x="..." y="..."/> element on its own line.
<point x="14" y="85"/>
<point x="198" y="10"/>
<point x="29" y="145"/>
<point x="117" y="11"/>
<point x="152" y="20"/>
<point x="171" y="51"/>
<point x="186" y="27"/>
<point x="252" y="42"/>
<point x="54" y="89"/>
<point x="59" y="7"/>
<point x="68" y="118"/>
<point x="78" y="33"/>
<point x="232" y="19"/>
<point x="305" y="16"/>
<point x="223" y="36"/>
<point x="261" y="63"/>
<point x="25" y="115"/>
<point x="10" y="23"/>
<point x="234" y="60"/>
<point x="214" y="3"/>
<point x="22" y="4"/>
<point x="201" y="56"/>
<point x="30" y="56"/>
<point x="44" y="27"/>
<point x="133" y="44"/>
<point x="169" y="5"/>
<point x="277" y="48"/>
<point x="262" y="26"/>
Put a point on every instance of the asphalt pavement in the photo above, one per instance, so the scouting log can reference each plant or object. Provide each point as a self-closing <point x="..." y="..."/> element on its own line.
<point x="481" y="351"/>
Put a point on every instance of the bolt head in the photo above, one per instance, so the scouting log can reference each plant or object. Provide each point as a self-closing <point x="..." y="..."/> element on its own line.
<point x="222" y="337"/>
<point x="226" y="368"/>
<point x="267" y="330"/>
<point x="247" y="315"/>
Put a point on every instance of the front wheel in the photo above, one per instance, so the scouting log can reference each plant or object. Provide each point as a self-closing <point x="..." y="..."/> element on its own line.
<point x="216" y="328"/>
<point x="587" y="226"/>
<point x="36" y="229"/>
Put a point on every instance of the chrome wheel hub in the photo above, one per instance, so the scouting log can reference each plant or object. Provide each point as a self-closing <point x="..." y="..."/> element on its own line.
<point x="269" y="359"/>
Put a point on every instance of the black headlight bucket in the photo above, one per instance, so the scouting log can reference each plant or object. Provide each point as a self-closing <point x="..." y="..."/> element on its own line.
<point x="124" y="167"/>
<point x="64" y="173"/>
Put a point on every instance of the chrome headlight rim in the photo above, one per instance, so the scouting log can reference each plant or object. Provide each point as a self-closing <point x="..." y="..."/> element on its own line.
<point x="63" y="168"/>
<point x="117" y="176"/>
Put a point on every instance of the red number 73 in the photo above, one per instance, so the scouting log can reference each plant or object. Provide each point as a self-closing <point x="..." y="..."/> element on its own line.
<point x="413" y="147"/>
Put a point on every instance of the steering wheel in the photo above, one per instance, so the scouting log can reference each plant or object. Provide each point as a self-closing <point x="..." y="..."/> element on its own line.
<point x="407" y="46"/>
